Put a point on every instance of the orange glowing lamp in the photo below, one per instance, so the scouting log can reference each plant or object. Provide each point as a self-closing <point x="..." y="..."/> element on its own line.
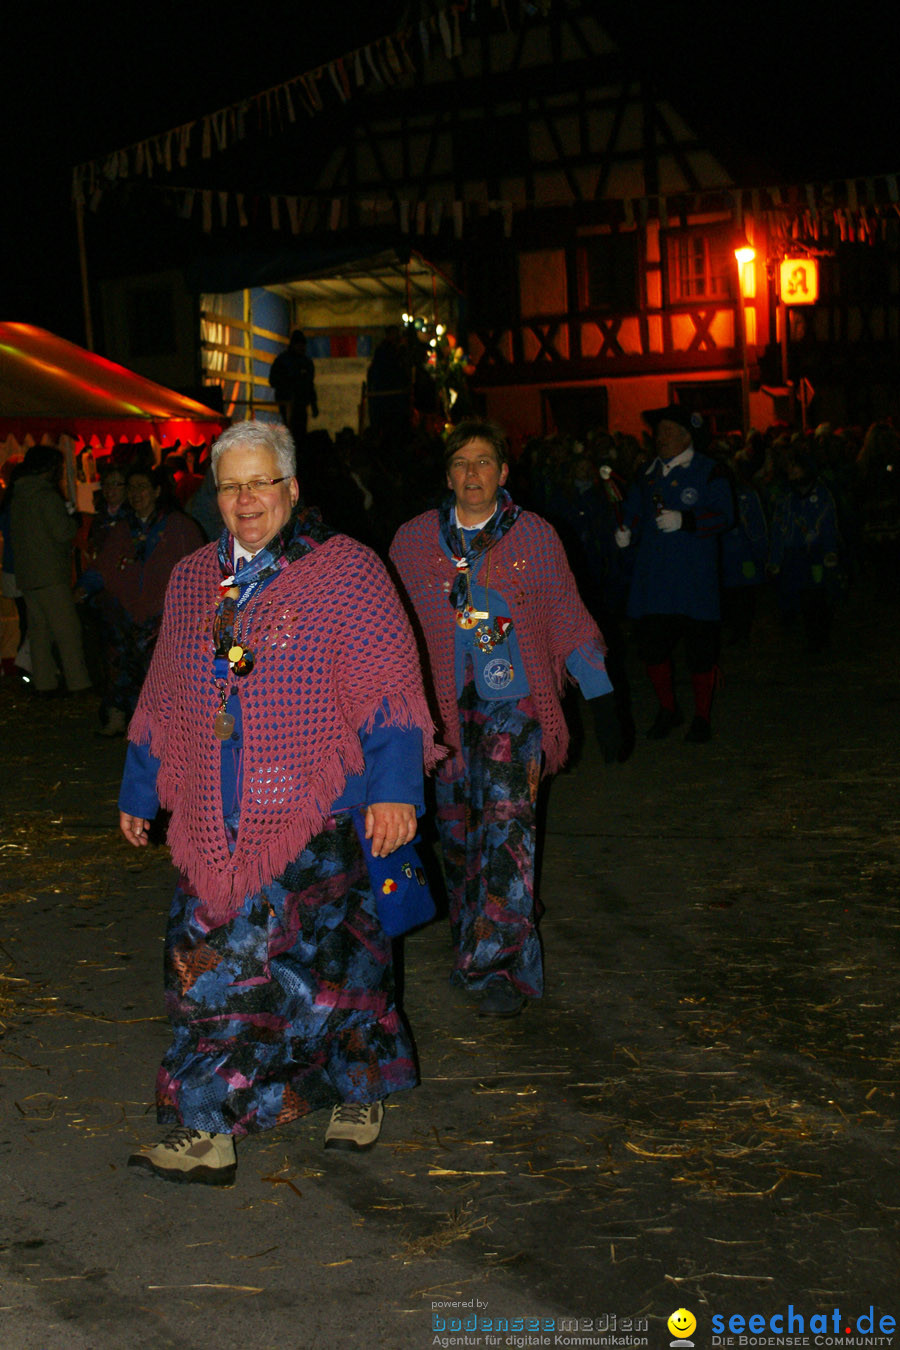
<point x="745" y="256"/>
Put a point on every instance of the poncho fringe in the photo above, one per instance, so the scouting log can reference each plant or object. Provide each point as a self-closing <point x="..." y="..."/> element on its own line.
<point x="332" y="646"/>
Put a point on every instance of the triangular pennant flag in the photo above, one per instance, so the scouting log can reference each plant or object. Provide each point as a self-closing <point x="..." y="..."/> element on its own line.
<point x="184" y="140"/>
<point x="335" y="80"/>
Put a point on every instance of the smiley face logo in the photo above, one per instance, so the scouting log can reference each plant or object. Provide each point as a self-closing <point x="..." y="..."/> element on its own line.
<point x="682" y="1324"/>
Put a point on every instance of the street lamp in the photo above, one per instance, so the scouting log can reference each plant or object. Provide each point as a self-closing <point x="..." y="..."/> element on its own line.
<point x="744" y="256"/>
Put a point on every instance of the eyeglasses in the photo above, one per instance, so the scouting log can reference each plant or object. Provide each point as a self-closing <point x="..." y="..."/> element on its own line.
<point x="256" y="485"/>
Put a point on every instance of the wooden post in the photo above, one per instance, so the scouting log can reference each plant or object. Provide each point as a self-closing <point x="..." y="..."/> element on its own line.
<point x="248" y="354"/>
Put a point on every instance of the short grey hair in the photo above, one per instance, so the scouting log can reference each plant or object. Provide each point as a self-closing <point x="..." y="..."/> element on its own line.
<point x="476" y="429"/>
<point x="258" y="436"/>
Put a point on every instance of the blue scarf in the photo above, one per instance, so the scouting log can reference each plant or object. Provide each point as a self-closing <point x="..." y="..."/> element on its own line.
<point x="304" y="531"/>
<point x="500" y="523"/>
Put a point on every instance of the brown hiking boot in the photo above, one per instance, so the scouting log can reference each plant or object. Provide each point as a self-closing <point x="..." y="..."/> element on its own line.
<point x="354" y="1125"/>
<point x="190" y="1155"/>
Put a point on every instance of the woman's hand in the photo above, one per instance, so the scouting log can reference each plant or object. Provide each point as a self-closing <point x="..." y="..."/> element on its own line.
<point x="389" y="825"/>
<point x="134" y="828"/>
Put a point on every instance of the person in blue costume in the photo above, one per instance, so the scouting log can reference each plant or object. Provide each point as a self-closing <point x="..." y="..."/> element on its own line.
<point x="672" y="516"/>
<point x="805" y="552"/>
<point x="282" y="716"/>
<point x="745" y="553"/>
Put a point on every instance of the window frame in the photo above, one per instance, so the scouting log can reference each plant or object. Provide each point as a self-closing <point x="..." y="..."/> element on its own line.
<point x="716" y="238"/>
<point x="614" y="304"/>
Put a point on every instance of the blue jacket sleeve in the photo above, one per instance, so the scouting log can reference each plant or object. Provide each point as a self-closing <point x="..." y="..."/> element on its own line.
<point x="393" y="758"/>
<point x="137" y="795"/>
<point x="587" y="667"/>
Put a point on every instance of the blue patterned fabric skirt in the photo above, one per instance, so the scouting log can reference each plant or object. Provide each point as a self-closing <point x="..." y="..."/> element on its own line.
<point x="289" y="1007"/>
<point x="486" y="823"/>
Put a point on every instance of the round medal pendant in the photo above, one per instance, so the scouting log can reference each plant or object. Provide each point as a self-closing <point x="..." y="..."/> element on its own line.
<point x="223" y="725"/>
<point x="465" y="618"/>
<point x="498" y="673"/>
<point x="235" y="653"/>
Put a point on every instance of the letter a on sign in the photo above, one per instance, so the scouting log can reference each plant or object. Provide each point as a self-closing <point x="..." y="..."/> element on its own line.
<point x="799" y="281"/>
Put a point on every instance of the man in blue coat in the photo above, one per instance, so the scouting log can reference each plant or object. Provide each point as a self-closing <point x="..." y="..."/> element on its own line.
<point x="672" y="515"/>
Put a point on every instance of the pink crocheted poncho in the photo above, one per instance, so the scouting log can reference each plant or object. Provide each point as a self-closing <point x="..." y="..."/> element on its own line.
<point x="331" y="645"/>
<point x="530" y="570"/>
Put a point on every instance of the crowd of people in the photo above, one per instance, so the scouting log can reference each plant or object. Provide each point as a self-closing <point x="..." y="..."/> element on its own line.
<point x="290" y="757"/>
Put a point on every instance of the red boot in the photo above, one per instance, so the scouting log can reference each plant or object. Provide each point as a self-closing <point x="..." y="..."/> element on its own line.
<point x="704" y="686"/>
<point x="669" y="715"/>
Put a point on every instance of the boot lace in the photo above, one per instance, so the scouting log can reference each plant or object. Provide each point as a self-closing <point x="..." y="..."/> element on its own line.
<point x="180" y="1137"/>
<point x="351" y="1113"/>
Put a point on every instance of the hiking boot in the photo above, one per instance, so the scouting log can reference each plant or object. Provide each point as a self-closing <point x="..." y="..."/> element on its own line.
<point x="190" y="1155"/>
<point x="699" y="732"/>
<point x="501" y="999"/>
<point x="667" y="719"/>
<point x="355" y="1125"/>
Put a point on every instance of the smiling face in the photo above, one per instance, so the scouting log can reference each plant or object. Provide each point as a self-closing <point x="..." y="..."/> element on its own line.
<point x="682" y="1323"/>
<point x="474" y="476"/>
<point x="254" y="517"/>
<point x="142" y="495"/>
<point x="113" y="489"/>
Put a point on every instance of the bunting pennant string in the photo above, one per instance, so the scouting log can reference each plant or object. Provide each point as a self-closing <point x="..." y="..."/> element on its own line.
<point x="846" y="210"/>
<point x="391" y="59"/>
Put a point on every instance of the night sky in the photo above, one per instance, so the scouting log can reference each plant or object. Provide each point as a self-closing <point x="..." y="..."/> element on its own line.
<point x="781" y="92"/>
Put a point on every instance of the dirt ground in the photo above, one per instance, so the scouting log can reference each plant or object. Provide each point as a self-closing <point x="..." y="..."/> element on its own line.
<point x="700" y="1113"/>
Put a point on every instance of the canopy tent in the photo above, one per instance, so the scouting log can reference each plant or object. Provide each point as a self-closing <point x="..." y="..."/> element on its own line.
<point x="50" y="389"/>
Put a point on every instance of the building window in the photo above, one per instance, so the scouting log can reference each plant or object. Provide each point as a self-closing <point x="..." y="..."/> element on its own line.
<point x="700" y="264"/>
<point x="717" y="401"/>
<point x="608" y="272"/>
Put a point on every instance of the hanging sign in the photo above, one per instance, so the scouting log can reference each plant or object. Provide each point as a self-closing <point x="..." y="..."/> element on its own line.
<point x="799" y="281"/>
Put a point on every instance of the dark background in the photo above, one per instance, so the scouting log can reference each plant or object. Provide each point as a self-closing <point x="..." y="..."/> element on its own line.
<point x="781" y="93"/>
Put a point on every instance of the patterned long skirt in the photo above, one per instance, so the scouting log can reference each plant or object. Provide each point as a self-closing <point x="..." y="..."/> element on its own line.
<point x="486" y="823"/>
<point x="287" y="1008"/>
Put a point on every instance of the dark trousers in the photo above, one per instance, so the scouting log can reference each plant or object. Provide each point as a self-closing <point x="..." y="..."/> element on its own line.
<point x="658" y="635"/>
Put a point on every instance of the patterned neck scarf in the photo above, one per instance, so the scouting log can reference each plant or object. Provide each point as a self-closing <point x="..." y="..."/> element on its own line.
<point x="144" y="533"/>
<point x="303" y="532"/>
<point x="465" y="557"/>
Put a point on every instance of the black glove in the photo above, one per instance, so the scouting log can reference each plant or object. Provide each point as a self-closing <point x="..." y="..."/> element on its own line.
<point x="607" y="726"/>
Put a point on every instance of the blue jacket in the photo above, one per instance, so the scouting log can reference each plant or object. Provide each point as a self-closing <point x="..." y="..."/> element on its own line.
<point x="745" y="547"/>
<point x="678" y="572"/>
<point x="806" y="544"/>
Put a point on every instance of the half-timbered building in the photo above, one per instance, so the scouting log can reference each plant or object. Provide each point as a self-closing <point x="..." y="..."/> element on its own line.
<point x="516" y="176"/>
